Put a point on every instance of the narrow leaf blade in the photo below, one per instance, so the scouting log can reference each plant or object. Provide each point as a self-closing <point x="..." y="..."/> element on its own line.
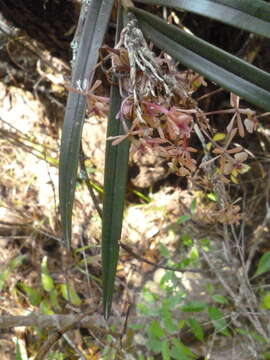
<point x="218" y="320"/>
<point x="207" y="67"/>
<point x="208" y="51"/>
<point x="95" y="25"/>
<point x="247" y="15"/>
<point x="263" y="265"/>
<point x="115" y="176"/>
<point x="165" y="350"/>
<point x="196" y="328"/>
<point x="193" y="306"/>
<point x="46" y="279"/>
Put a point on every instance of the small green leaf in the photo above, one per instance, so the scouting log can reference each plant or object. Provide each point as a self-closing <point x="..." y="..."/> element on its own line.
<point x="153" y="344"/>
<point x="47" y="282"/>
<point x="183" y="263"/>
<point x="54" y="299"/>
<point x="181" y="324"/>
<point x="193" y="206"/>
<point x="212" y="196"/>
<point x="205" y="244"/>
<point x="17" y="261"/>
<point x="220" y="299"/>
<point x="150" y="297"/>
<point x="32" y="293"/>
<point x="18" y="351"/>
<point x="182" y="219"/>
<point x="164" y="251"/>
<point x="263" y="265"/>
<point x="241" y="331"/>
<point x="4" y="275"/>
<point x="69" y="294"/>
<point x="136" y="327"/>
<point x="46" y="279"/>
<point x="165" y="350"/>
<point x="193" y="253"/>
<point x="169" y="322"/>
<point x="218" y="320"/>
<point x="186" y="240"/>
<point x="210" y="288"/>
<point x="147" y="310"/>
<point x="193" y="306"/>
<point x="3" y="278"/>
<point x="55" y="355"/>
<point x="45" y="307"/>
<point x="196" y="328"/>
<point x="265" y="303"/>
<point x="155" y="330"/>
<point x="258" y="337"/>
<point x="173" y="301"/>
<point x="180" y="351"/>
<point x="219" y="136"/>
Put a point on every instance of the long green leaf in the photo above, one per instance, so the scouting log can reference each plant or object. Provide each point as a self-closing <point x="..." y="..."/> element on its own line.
<point x="249" y="15"/>
<point x="95" y="19"/>
<point x="210" y="52"/>
<point x="216" y="65"/>
<point x="115" y="176"/>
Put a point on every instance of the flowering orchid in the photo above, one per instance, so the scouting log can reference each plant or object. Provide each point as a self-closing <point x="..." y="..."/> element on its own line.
<point x="177" y="123"/>
<point x="157" y="104"/>
<point x="98" y="105"/>
<point x="250" y="122"/>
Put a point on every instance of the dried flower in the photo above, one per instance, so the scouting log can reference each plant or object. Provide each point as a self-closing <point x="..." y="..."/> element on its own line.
<point x="178" y="124"/>
<point x="99" y="105"/>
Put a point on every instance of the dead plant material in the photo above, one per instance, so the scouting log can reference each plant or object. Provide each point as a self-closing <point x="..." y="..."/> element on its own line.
<point x="157" y="100"/>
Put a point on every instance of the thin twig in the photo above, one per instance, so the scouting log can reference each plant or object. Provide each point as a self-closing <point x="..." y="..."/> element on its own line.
<point x="45" y="348"/>
<point x="214" y="92"/>
<point x="74" y="347"/>
<point x="86" y="268"/>
<point x="237" y="298"/>
<point x="219" y="276"/>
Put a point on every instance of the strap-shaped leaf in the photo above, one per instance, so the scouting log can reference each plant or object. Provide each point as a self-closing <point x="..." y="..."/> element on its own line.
<point x="115" y="177"/>
<point x="210" y="52"/>
<point x="216" y="65"/>
<point x="249" y="15"/>
<point x="95" y="19"/>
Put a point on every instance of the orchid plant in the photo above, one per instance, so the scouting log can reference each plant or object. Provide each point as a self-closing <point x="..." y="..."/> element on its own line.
<point x="152" y="104"/>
